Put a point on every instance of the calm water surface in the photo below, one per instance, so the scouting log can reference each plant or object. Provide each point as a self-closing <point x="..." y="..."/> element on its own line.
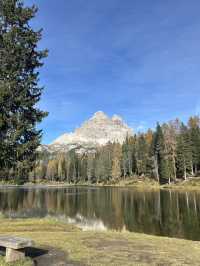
<point x="167" y="213"/>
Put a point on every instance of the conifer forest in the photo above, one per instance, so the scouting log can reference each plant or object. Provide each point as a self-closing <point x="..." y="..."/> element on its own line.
<point x="166" y="154"/>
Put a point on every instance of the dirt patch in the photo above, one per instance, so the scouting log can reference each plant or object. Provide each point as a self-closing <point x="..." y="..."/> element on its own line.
<point x="48" y="256"/>
<point x="133" y="253"/>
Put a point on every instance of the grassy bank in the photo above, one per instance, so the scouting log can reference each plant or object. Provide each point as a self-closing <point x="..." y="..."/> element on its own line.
<point x="103" y="248"/>
<point x="188" y="185"/>
<point x="140" y="183"/>
<point x="128" y="182"/>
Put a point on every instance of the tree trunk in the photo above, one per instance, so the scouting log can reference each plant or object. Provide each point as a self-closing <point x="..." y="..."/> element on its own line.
<point x="192" y="170"/>
<point x="185" y="174"/>
<point x="195" y="169"/>
<point x="156" y="168"/>
<point x="124" y="166"/>
<point x="174" y="165"/>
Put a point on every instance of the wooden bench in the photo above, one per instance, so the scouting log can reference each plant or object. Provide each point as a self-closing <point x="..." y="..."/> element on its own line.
<point x="15" y="247"/>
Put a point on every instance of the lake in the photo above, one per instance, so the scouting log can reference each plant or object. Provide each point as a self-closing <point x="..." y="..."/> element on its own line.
<point x="165" y="213"/>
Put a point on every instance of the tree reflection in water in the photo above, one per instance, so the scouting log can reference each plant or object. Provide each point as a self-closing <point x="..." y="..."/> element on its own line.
<point x="167" y="213"/>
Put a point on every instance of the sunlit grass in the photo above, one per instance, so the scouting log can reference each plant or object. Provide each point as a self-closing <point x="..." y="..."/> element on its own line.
<point x="144" y="183"/>
<point x="103" y="248"/>
<point x="189" y="184"/>
<point x="26" y="262"/>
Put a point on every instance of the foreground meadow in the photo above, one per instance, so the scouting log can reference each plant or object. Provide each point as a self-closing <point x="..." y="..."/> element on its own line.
<point x="66" y="243"/>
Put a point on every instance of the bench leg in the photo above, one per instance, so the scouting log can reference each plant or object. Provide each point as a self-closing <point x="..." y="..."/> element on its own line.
<point x="14" y="255"/>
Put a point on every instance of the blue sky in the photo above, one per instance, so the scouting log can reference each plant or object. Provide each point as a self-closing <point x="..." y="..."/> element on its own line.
<point x="136" y="58"/>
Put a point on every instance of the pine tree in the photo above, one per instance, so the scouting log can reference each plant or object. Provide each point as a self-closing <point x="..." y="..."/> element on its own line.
<point x="39" y="171"/>
<point x="83" y="167"/>
<point x="150" y="156"/>
<point x="107" y="158"/>
<point x="99" y="166"/>
<point x="169" y="133"/>
<point x="160" y="162"/>
<point x="194" y="131"/>
<point x="19" y="90"/>
<point x="90" y="167"/>
<point x="67" y="167"/>
<point x="133" y="145"/>
<point x="184" y="153"/>
<point x="142" y="155"/>
<point x="52" y="170"/>
<point x="116" y="161"/>
<point x="61" y="167"/>
<point x="103" y="163"/>
<point x="127" y="157"/>
<point x="74" y="169"/>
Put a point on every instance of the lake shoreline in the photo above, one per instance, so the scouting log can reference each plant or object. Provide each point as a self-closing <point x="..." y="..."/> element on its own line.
<point x="192" y="184"/>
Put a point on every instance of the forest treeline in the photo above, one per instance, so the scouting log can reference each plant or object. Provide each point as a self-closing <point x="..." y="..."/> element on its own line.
<point x="170" y="152"/>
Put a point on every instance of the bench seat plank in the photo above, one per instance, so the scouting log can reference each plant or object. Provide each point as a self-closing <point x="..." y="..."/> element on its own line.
<point x="15" y="242"/>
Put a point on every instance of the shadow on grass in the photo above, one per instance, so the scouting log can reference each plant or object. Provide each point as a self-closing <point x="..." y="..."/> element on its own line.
<point x="2" y="251"/>
<point x="33" y="252"/>
<point x="46" y="256"/>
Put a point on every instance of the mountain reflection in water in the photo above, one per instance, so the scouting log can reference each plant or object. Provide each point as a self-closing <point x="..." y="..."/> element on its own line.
<point x="167" y="213"/>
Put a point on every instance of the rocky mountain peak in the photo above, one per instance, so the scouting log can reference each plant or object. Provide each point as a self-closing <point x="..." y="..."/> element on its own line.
<point x="97" y="131"/>
<point x="100" y="116"/>
<point x="117" y="118"/>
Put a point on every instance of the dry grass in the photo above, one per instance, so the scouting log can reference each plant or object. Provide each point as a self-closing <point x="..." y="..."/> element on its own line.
<point x="26" y="262"/>
<point x="104" y="248"/>
<point x="134" y="182"/>
<point x="191" y="184"/>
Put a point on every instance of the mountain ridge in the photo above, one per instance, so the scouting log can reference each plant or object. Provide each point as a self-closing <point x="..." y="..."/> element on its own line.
<point x="96" y="131"/>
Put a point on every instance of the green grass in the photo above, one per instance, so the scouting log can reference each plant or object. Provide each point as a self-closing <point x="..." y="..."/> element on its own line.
<point x="135" y="182"/>
<point x="103" y="248"/>
<point x="189" y="184"/>
<point x="139" y="183"/>
<point x="127" y="182"/>
<point x="26" y="262"/>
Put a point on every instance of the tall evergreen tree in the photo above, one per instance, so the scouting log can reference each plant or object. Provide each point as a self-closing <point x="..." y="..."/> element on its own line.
<point x="116" y="161"/>
<point x="128" y="159"/>
<point x="61" y="167"/>
<point x="150" y="154"/>
<point x="52" y="170"/>
<point x="184" y="153"/>
<point x="194" y="131"/>
<point x="90" y="167"/>
<point x="19" y="90"/>
<point x="170" y="149"/>
<point x="99" y="166"/>
<point x="103" y="163"/>
<point x="67" y="167"/>
<point x="142" y="155"/>
<point x="83" y="167"/>
<point x="161" y="168"/>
